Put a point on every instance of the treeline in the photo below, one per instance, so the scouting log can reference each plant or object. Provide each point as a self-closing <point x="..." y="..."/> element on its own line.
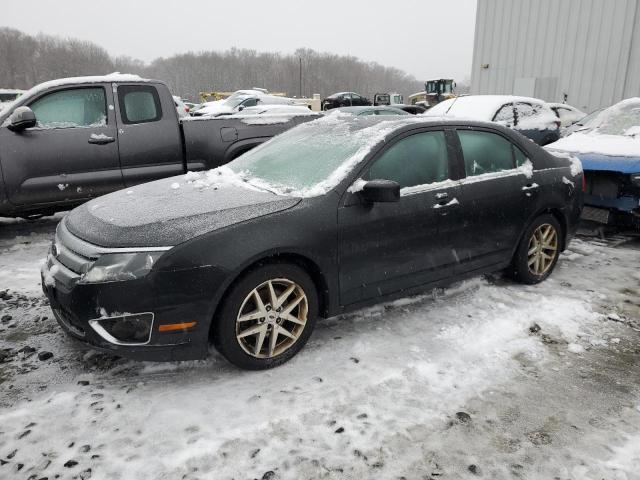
<point x="27" y="60"/>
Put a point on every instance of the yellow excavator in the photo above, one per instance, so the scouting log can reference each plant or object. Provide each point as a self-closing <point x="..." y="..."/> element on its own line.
<point x="439" y="90"/>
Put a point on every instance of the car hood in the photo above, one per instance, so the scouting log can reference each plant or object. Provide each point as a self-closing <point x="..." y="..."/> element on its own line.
<point x="613" y="153"/>
<point x="168" y="212"/>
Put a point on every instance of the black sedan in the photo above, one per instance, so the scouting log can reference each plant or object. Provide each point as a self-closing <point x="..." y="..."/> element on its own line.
<point x="345" y="99"/>
<point x="325" y="218"/>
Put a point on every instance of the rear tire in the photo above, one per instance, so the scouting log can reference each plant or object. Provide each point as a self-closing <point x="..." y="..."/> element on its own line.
<point x="538" y="251"/>
<point x="267" y="316"/>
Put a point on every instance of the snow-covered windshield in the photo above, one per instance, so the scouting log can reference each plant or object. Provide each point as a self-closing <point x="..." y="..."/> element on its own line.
<point x="312" y="158"/>
<point x="237" y="98"/>
<point x="620" y="119"/>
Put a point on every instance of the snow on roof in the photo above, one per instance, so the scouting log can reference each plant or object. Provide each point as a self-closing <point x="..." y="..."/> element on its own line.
<point x="60" y="82"/>
<point x="480" y="107"/>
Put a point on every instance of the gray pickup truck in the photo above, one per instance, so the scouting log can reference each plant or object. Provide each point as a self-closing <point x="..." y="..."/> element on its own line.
<point x="66" y="141"/>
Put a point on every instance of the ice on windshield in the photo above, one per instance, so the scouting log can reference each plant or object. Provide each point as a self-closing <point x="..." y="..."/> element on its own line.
<point x="620" y="119"/>
<point x="312" y="158"/>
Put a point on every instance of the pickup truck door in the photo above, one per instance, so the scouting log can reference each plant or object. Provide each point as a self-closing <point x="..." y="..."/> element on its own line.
<point x="149" y="135"/>
<point x="70" y="156"/>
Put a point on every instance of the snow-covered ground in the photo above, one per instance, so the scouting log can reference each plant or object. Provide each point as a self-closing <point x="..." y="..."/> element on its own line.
<point x="487" y="379"/>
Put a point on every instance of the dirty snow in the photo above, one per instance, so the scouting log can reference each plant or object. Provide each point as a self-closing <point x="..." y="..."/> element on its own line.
<point x="477" y="380"/>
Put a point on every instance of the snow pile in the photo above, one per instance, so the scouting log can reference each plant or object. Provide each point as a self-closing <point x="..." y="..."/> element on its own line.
<point x="594" y="142"/>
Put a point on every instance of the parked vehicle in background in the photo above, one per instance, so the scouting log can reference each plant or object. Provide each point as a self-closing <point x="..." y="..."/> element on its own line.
<point x="439" y="90"/>
<point x="240" y="100"/>
<point x="181" y="108"/>
<point x="609" y="148"/>
<point x="344" y="99"/>
<point x="412" y="109"/>
<point x="567" y="114"/>
<point x="66" y="141"/>
<point x="325" y="218"/>
<point x="8" y="95"/>
<point x="273" y="110"/>
<point x="366" y="111"/>
<point x="529" y="116"/>
<point x="388" y="99"/>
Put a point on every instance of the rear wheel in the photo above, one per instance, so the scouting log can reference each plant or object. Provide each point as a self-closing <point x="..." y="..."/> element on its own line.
<point x="538" y="251"/>
<point x="267" y="317"/>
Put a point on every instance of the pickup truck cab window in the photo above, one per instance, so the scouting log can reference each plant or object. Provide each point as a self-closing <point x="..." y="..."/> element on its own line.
<point x="76" y="107"/>
<point x="418" y="159"/>
<point x="485" y="152"/>
<point x="139" y="104"/>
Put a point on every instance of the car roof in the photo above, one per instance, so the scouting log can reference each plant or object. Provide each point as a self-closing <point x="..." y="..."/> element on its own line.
<point x="479" y="106"/>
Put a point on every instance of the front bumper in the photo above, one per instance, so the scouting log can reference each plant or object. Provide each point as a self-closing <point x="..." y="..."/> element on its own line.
<point x="183" y="296"/>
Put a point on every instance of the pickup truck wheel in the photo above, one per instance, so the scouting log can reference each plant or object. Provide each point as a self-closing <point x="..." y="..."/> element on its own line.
<point x="267" y="317"/>
<point x="538" y="251"/>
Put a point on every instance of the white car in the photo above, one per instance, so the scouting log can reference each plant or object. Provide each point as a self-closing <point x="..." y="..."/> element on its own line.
<point x="567" y="114"/>
<point x="531" y="117"/>
<point x="274" y="110"/>
<point x="240" y="100"/>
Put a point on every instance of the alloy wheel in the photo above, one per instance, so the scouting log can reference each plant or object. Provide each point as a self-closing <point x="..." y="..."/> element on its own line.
<point x="542" y="249"/>
<point x="271" y="318"/>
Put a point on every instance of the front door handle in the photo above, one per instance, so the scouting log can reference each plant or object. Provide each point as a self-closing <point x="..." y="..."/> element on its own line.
<point x="446" y="203"/>
<point x="101" y="139"/>
<point x="441" y="195"/>
<point x="530" y="186"/>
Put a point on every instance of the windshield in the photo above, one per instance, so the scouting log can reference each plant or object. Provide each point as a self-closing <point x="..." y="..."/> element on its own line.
<point x="311" y="158"/>
<point x="620" y="119"/>
<point x="236" y="99"/>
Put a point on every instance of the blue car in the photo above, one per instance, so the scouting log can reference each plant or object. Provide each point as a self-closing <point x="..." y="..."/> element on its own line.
<point x="609" y="148"/>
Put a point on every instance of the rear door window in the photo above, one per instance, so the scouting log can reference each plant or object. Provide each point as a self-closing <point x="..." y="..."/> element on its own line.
<point x="76" y="107"/>
<point x="418" y="159"/>
<point x="505" y="115"/>
<point x="139" y="104"/>
<point x="485" y="152"/>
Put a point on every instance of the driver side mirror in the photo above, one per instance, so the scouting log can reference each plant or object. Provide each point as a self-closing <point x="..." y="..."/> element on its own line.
<point x="21" y="119"/>
<point x="240" y="108"/>
<point x="381" y="191"/>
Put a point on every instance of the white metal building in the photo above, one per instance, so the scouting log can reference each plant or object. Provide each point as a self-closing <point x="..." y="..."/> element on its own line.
<point x="587" y="51"/>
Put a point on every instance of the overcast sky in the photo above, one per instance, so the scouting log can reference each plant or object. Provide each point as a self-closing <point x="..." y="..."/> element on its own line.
<point x="427" y="38"/>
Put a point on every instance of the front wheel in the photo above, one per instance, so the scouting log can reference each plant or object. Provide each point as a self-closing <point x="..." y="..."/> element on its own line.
<point x="267" y="317"/>
<point x="538" y="251"/>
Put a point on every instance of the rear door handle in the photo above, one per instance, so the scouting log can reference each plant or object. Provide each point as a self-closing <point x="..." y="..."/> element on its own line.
<point x="530" y="186"/>
<point x="441" y="195"/>
<point x="100" y="139"/>
<point x="446" y="203"/>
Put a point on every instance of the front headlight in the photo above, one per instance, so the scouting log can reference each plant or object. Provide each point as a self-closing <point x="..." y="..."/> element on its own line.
<point x="116" y="267"/>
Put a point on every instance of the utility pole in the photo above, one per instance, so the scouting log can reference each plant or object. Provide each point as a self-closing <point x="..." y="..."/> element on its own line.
<point x="300" y="58"/>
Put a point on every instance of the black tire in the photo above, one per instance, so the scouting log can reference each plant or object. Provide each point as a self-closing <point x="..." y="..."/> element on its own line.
<point x="519" y="269"/>
<point x="224" y="332"/>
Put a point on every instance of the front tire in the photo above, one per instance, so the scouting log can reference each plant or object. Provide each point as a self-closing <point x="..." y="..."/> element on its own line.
<point x="538" y="251"/>
<point x="267" y="316"/>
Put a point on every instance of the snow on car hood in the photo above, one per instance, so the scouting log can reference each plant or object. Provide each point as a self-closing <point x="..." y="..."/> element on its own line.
<point x="591" y="142"/>
<point x="170" y="211"/>
<point x="602" y="152"/>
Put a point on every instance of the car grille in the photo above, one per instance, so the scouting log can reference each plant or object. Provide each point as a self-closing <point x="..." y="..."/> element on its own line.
<point x="73" y="253"/>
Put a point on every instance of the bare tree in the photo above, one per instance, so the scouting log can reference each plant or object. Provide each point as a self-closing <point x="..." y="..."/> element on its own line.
<point x="27" y="60"/>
